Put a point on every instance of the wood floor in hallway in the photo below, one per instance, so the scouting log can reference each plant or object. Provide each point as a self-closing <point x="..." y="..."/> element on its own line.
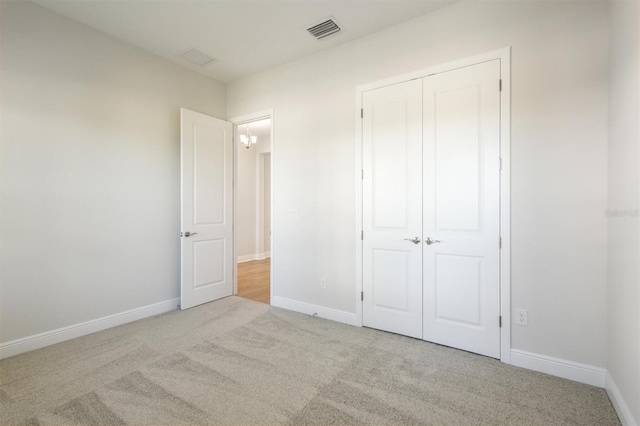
<point x="254" y="280"/>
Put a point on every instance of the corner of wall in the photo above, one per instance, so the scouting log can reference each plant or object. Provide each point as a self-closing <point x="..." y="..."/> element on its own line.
<point x="620" y="405"/>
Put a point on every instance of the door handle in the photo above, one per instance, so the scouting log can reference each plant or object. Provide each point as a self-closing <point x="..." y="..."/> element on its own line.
<point x="414" y="240"/>
<point x="188" y="234"/>
<point x="430" y="241"/>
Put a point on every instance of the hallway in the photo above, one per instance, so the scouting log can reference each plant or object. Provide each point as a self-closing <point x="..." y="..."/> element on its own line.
<point x="254" y="280"/>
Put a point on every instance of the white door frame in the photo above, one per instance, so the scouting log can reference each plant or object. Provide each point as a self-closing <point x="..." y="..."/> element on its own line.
<point x="238" y="121"/>
<point x="504" y="55"/>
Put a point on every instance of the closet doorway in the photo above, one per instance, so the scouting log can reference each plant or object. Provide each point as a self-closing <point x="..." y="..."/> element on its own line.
<point x="432" y="223"/>
<point x="253" y="140"/>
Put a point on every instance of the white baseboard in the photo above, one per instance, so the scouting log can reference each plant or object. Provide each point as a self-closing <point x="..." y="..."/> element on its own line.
<point x="321" y="311"/>
<point x="52" y="337"/>
<point x="246" y="258"/>
<point x="250" y="257"/>
<point x="566" y="369"/>
<point x="624" y="413"/>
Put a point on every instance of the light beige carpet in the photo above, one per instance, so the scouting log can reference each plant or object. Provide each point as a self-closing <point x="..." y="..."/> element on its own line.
<point x="238" y="361"/>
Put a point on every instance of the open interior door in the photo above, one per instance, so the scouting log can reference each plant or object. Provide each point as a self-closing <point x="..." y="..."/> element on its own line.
<point x="206" y="148"/>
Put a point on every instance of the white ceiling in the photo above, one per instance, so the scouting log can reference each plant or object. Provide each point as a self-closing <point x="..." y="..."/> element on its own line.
<point x="245" y="36"/>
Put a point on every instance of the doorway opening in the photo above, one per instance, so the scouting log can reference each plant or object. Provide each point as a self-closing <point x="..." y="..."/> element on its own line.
<point x="253" y="138"/>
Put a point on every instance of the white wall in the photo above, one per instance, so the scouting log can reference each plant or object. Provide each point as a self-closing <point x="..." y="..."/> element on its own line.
<point x="623" y="344"/>
<point x="90" y="172"/>
<point x="559" y="150"/>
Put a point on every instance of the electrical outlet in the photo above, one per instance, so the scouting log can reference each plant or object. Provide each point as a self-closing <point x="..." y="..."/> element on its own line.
<point x="522" y="317"/>
<point x="293" y="214"/>
<point x="323" y="282"/>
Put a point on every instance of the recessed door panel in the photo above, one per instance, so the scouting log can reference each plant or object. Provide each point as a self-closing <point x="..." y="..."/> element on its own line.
<point x="209" y="170"/>
<point x="208" y="263"/>
<point x="389" y="160"/>
<point x="391" y="285"/>
<point x="459" y="290"/>
<point x="457" y="154"/>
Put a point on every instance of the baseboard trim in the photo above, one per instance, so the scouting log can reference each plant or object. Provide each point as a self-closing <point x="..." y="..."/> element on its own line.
<point x="620" y="405"/>
<point x="250" y="257"/>
<point x="37" y="341"/>
<point x="321" y="311"/>
<point x="566" y="369"/>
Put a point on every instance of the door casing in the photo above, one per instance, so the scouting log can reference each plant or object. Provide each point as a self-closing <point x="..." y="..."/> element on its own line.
<point x="504" y="55"/>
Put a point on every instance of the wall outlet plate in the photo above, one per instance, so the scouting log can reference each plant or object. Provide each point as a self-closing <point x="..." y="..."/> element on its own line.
<point x="522" y="317"/>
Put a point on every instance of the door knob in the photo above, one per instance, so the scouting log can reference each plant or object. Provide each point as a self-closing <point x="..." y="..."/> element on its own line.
<point x="414" y="240"/>
<point x="430" y="241"/>
<point x="188" y="234"/>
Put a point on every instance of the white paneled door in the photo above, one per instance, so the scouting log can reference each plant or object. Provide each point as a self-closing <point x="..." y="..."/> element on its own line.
<point x="207" y="208"/>
<point x="392" y="208"/>
<point x="431" y="180"/>
<point x="461" y="208"/>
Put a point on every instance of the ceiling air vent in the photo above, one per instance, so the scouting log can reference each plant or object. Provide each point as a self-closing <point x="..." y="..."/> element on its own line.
<point x="325" y="28"/>
<point x="197" y="57"/>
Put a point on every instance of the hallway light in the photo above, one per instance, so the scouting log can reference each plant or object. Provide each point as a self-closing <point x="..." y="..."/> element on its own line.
<point x="247" y="139"/>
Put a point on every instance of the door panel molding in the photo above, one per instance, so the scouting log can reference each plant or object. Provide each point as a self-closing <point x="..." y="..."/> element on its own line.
<point x="504" y="55"/>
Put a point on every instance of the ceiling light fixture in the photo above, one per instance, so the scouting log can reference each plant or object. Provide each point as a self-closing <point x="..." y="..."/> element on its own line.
<point x="247" y="139"/>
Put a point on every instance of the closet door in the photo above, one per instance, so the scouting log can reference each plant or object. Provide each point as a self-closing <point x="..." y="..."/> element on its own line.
<point x="392" y="208"/>
<point x="461" y="208"/>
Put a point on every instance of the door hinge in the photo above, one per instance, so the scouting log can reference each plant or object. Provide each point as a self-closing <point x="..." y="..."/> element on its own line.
<point x="362" y="174"/>
<point x="500" y="84"/>
<point x="500" y="164"/>
<point x="500" y="320"/>
<point x="500" y="242"/>
<point x="362" y="235"/>
<point x="362" y="296"/>
<point x="361" y="113"/>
